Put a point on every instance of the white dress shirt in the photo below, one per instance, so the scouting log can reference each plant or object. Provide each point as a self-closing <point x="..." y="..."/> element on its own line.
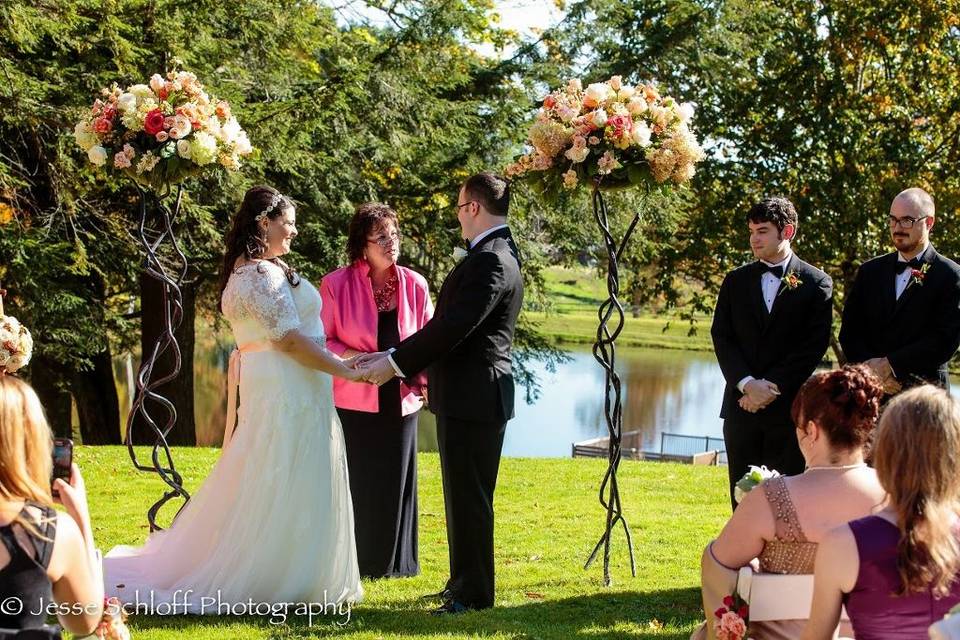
<point x="903" y="279"/>
<point x="770" y="285"/>
<point x="473" y="243"/>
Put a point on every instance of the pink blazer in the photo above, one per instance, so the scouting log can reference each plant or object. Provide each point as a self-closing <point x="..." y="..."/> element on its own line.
<point x="349" y="316"/>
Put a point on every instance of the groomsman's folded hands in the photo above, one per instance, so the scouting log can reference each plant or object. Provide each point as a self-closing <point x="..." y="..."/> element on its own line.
<point x="757" y="394"/>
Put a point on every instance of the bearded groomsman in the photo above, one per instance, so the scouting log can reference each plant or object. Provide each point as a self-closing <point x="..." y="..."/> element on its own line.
<point x="770" y="329"/>
<point x="902" y="314"/>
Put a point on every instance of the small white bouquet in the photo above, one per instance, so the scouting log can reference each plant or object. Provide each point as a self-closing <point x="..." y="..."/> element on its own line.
<point x="16" y="344"/>
<point x="752" y="479"/>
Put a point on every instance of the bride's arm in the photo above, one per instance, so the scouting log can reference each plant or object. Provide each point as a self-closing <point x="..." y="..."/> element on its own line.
<point x="310" y="354"/>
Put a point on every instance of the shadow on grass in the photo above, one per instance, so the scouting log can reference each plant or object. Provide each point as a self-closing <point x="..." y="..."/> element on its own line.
<point x="621" y="615"/>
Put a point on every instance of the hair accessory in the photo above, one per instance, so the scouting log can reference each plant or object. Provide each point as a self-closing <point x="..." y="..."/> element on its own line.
<point x="277" y="197"/>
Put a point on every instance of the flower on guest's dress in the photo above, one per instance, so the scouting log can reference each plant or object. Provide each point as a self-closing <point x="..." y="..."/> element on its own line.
<point x="752" y="479"/>
<point x="732" y="617"/>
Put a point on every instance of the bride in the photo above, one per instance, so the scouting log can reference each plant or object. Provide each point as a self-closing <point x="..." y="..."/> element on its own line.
<point x="273" y="522"/>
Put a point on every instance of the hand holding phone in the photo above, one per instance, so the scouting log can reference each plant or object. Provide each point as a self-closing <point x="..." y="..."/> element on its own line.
<point x="62" y="463"/>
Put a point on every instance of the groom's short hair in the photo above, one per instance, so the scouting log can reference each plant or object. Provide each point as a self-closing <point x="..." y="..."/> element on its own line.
<point x="776" y="209"/>
<point x="490" y="190"/>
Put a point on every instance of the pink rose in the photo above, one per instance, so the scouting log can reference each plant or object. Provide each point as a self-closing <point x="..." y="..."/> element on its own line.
<point x="102" y="125"/>
<point x="731" y="627"/>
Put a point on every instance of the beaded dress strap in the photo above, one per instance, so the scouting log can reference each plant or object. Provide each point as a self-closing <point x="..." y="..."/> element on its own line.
<point x="784" y="514"/>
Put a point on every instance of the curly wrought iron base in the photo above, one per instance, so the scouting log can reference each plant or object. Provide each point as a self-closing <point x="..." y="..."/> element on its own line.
<point x="604" y="350"/>
<point x="166" y="262"/>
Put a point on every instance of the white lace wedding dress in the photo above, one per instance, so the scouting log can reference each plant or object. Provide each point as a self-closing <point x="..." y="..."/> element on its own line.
<point x="273" y="522"/>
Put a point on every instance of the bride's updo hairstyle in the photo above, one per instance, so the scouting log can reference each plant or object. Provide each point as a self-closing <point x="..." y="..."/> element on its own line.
<point x="246" y="238"/>
<point x="845" y="403"/>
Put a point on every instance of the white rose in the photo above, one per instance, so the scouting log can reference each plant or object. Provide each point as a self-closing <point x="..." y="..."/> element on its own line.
<point x="599" y="92"/>
<point x="626" y="92"/>
<point x="183" y="148"/>
<point x="231" y="129"/>
<point x="181" y="127"/>
<point x="156" y="83"/>
<point x="126" y="102"/>
<point x="241" y="145"/>
<point x="599" y="118"/>
<point x="141" y="91"/>
<point x="97" y="155"/>
<point x="637" y="106"/>
<point x="641" y="134"/>
<point x="84" y="136"/>
<point x="685" y="111"/>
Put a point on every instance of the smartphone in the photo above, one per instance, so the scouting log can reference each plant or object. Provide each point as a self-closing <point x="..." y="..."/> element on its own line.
<point x="62" y="461"/>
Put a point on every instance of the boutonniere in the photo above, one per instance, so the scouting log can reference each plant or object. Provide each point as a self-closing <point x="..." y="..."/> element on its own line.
<point x="459" y="253"/>
<point x="917" y="276"/>
<point x="790" y="281"/>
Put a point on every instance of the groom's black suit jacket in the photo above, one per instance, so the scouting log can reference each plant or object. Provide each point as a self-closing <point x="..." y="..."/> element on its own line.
<point x="466" y="346"/>
<point x="783" y="345"/>
<point x="918" y="332"/>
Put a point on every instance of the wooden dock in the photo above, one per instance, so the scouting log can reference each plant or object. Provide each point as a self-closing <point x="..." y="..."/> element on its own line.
<point x="599" y="448"/>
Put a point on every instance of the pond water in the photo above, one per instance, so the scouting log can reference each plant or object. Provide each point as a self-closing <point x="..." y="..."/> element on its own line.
<point x="664" y="391"/>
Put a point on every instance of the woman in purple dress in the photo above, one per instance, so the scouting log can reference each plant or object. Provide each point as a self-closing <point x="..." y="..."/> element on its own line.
<point x="897" y="571"/>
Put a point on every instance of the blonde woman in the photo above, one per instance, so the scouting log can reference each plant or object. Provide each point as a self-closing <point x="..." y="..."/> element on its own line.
<point x="47" y="561"/>
<point x="896" y="572"/>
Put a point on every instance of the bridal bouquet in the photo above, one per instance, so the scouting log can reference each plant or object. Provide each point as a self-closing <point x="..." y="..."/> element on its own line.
<point x="752" y="479"/>
<point x="16" y="345"/>
<point x="162" y="132"/>
<point x="610" y="133"/>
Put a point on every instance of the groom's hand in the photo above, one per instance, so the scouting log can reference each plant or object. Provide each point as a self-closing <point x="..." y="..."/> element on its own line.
<point x="366" y="358"/>
<point x="379" y="371"/>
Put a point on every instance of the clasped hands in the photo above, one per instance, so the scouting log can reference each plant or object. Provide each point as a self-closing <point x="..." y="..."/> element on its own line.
<point x="882" y="369"/>
<point x="757" y="394"/>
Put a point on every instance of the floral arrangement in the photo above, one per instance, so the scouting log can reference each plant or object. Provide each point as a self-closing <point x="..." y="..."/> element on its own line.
<point x="162" y="132"/>
<point x="612" y="134"/>
<point x="16" y="344"/>
<point x="113" y="624"/>
<point x="752" y="479"/>
<point x="732" y="618"/>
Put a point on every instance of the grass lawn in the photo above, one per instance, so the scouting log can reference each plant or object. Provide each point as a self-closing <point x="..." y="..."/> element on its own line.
<point x="548" y="519"/>
<point x="574" y="295"/>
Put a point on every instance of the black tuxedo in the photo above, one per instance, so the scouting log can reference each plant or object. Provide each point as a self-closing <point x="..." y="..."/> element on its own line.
<point x="466" y="349"/>
<point x="782" y="346"/>
<point x="918" y="332"/>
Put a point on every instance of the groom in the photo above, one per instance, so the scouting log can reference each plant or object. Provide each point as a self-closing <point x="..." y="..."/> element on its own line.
<point x="770" y="329"/>
<point x="466" y="349"/>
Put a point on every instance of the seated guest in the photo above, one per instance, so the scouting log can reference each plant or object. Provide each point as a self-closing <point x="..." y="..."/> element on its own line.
<point x="897" y="571"/>
<point x="782" y="521"/>
<point x="46" y="560"/>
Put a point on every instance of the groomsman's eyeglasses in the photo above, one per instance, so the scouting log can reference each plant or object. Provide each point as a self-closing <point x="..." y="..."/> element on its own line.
<point x="906" y="222"/>
<point x="386" y="241"/>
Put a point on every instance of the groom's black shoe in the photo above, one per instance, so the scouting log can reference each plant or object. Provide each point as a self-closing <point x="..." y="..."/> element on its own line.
<point x="451" y="607"/>
<point x="442" y="595"/>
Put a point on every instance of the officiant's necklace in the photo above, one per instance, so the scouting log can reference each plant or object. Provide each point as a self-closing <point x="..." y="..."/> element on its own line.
<point x="840" y="467"/>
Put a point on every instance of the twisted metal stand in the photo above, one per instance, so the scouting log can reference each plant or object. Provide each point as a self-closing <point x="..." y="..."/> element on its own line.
<point x="604" y="350"/>
<point x="156" y="235"/>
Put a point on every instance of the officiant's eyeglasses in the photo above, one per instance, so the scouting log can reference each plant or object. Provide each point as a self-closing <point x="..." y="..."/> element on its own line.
<point x="906" y="222"/>
<point x="386" y="241"/>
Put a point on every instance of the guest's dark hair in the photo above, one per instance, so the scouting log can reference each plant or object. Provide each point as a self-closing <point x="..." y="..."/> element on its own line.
<point x="490" y="190"/>
<point x="777" y="210"/>
<point x="246" y="238"/>
<point x="844" y="403"/>
<point x="368" y="217"/>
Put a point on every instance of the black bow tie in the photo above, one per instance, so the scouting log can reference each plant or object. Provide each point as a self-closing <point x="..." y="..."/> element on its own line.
<point x="776" y="271"/>
<point x="916" y="263"/>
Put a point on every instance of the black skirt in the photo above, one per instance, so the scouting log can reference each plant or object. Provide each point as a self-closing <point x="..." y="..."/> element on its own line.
<point x="382" y="459"/>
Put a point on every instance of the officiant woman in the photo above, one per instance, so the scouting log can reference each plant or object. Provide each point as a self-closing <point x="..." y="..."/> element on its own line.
<point x="371" y="305"/>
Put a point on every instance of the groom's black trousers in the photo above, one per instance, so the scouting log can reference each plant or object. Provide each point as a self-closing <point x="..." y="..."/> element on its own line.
<point x="469" y="462"/>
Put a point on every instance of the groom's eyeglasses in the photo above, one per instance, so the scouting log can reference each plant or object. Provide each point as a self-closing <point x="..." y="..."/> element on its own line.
<point x="386" y="241"/>
<point x="906" y="222"/>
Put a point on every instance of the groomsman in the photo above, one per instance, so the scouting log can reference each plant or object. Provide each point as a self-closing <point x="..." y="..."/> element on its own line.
<point x="902" y="314"/>
<point x="770" y="329"/>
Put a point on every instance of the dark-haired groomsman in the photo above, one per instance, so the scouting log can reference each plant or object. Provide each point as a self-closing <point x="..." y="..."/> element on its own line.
<point x="770" y="329"/>
<point x="902" y="314"/>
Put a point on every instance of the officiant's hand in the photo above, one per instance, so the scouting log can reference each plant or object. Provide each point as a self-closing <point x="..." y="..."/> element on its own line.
<point x="760" y="393"/>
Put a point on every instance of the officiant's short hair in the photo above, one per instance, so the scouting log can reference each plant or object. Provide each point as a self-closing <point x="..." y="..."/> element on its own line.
<point x="775" y="209"/>
<point x="490" y="190"/>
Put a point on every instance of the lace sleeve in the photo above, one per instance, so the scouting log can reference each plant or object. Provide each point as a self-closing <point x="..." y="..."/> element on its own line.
<point x="268" y="299"/>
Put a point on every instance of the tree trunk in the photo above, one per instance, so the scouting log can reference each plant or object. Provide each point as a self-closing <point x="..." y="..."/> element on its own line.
<point x="179" y="391"/>
<point x="95" y="393"/>
<point x="46" y="379"/>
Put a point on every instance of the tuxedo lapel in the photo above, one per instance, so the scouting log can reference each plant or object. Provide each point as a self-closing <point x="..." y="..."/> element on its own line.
<point x="755" y="282"/>
<point x="913" y="287"/>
